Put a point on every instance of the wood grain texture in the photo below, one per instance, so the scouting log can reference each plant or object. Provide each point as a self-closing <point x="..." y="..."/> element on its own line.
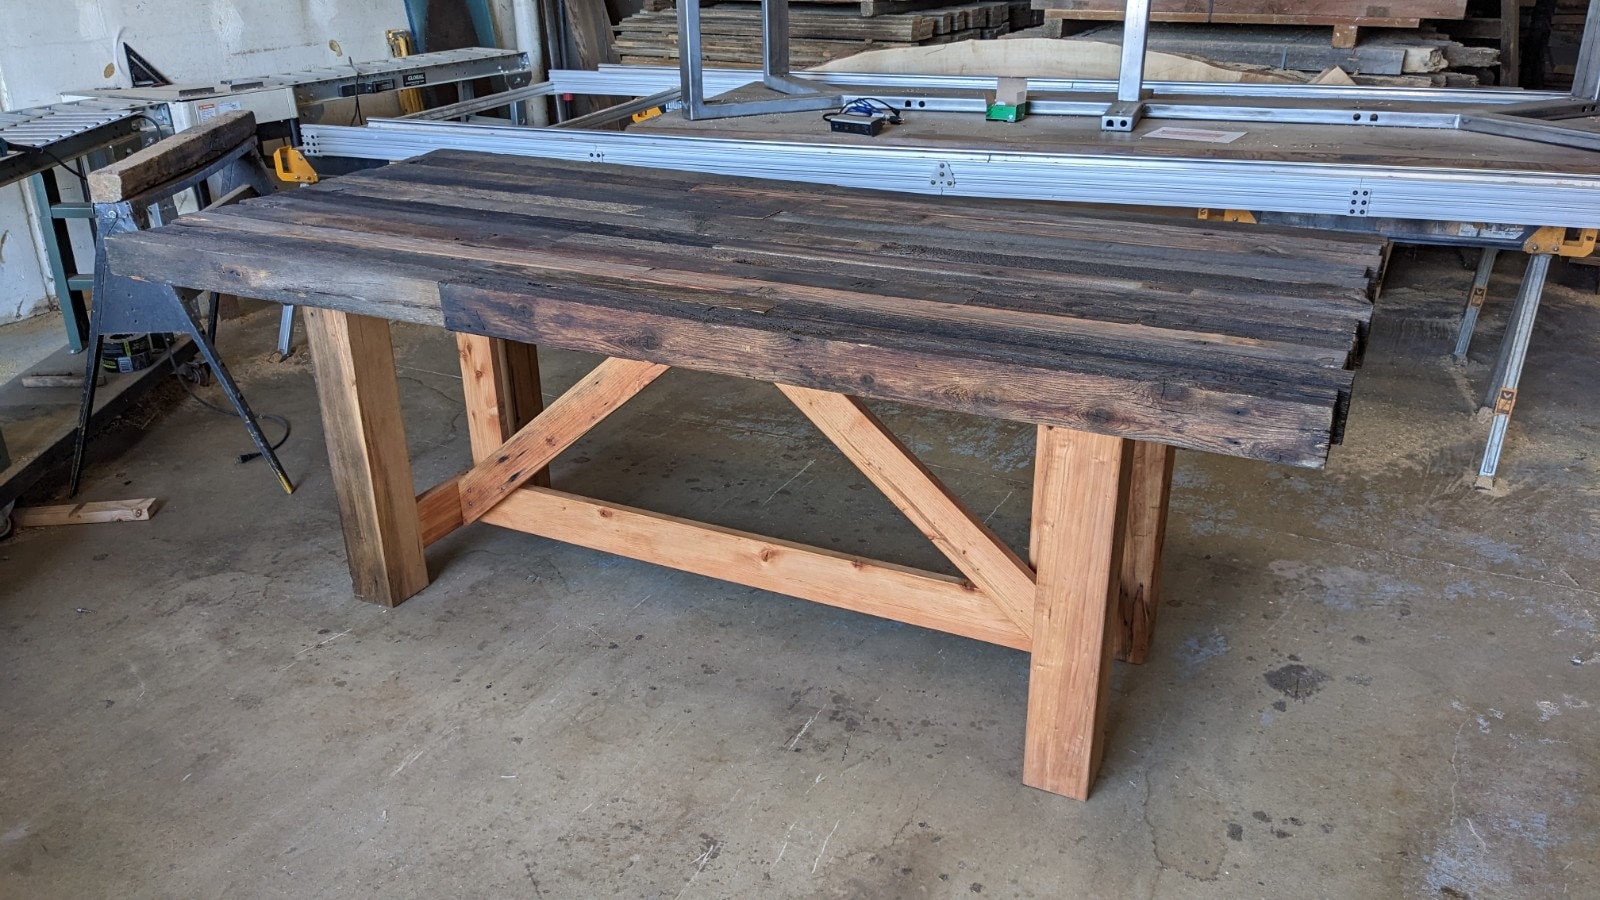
<point x="439" y="510"/>
<point x="1292" y="431"/>
<point x="500" y="381"/>
<point x="168" y="158"/>
<point x="1082" y="506"/>
<point x="824" y="576"/>
<point x="87" y="513"/>
<point x="1237" y="340"/>
<point x="508" y="466"/>
<point x="353" y="358"/>
<point x="1139" y="582"/>
<point x="483" y="386"/>
<point x="1394" y="13"/>
<point x="916" y="492"/>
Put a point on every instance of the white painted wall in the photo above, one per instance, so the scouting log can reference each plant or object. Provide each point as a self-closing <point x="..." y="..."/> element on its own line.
<point x="51" y="46"/>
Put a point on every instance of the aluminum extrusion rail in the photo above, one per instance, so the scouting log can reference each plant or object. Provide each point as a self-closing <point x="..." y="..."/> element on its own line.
<point x="1399" y="192"/>
<point x="1370" y="107"/>
<point x="650" y="79"/>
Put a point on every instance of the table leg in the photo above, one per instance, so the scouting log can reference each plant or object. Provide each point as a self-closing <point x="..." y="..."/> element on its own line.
<point x="1508" y="373"/>
<point x="1081" y="499"/>
<point x="1475" y="298"/>
<point x="1148" y="490"/>
<point x="501" y="381"/>
<point x="353" y="358"/>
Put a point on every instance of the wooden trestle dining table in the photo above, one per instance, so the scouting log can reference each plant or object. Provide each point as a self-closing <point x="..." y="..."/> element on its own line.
<point x="1119" y="336"/>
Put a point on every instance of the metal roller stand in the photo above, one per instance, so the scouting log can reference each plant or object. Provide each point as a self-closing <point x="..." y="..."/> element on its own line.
<point x="1475" y="300"/>
<point x="1509" y="372"/>
<point x="1129" y="108"/>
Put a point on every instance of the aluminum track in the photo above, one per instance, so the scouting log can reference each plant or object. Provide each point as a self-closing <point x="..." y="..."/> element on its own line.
<point x="1398" y="192"/>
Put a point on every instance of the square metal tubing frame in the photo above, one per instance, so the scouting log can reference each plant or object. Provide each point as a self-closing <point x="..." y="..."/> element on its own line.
<point x="799" y="96"/>
<point x="1535" y="121"/>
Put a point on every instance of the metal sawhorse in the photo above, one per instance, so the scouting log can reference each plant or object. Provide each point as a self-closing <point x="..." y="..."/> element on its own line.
<point x="220" y="161"/>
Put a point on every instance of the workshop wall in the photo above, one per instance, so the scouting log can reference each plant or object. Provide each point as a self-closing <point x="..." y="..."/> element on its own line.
<point x="50" y="46"/>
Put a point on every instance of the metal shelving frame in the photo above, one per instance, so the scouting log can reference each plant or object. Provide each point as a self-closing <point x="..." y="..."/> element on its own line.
<point x="1571" y="120"/>
<point x="37" y="140"/>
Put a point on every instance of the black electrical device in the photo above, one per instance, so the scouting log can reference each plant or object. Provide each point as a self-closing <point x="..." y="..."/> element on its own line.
<point x="864" y="116"/>
<point x="855" y="123"/>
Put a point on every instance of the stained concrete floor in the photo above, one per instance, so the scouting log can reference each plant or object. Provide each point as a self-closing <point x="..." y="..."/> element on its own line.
<point x="1368" y="681"/>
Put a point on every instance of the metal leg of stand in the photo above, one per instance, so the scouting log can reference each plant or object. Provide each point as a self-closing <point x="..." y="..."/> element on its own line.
<point x="226" y="382"/>
<point x="1125" y="113"/>
<point x="1515" y="352"/>
<point x="1497" y="375"/>
<point x="1586" y="76"/>
<point x="86" y="404"/>
<point x="1479" y="293"/>
<point x="774" y="39"/>
<point x="285" y="332"/>
<point x="798" y="96"/>
<point x="213" y="313"/>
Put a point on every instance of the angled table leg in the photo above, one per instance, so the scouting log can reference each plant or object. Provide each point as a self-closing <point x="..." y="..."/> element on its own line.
<point x="354" y="362"/>
<point x="1149" y="488"/>
<point x="1080" y="509"/>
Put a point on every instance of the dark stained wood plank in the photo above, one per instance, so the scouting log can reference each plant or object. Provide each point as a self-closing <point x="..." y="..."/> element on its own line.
<point x="526" y="219"/>
<point x="745" y="196"/>
<point x="1136" y="283"/>
<point x="1237" y="424"/>
<point x="867" y="319"/>
<point x="1273" y="261"/>
<point x="167" y="159"/>
<point x="936" y="299"/>
<point x="1228" y="339"/>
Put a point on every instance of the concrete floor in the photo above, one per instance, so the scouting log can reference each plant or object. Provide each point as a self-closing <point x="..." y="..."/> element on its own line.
<point x="27" y="341"/>
<point x="1368" y="681"/>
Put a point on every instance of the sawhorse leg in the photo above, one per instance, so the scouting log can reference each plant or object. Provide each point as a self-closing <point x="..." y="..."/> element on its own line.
<point x="1508" y="370"/>
<point x="1475" y="299"/>
<point x="1080" y="511"/>
<point x="353" y="358"/>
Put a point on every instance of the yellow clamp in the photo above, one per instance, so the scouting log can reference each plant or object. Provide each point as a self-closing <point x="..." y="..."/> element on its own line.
<point x="292" y="166"/>
<point x="1229" y="215"/>
<point x="647" y="115"/>
<point x="1560" y="242"/>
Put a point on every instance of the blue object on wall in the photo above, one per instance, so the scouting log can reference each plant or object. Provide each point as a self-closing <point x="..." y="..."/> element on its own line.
<point x="450" y="24"/>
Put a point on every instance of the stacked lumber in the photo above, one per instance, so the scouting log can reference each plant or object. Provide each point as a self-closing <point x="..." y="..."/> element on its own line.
<point x="818" y="32"/>
<point x="1566" y="36"/>
<point x="1335" y="13"/>
<point x="1376" y="44"/>
<point x="1539" y="47"/>
<point x="1025" y="55"/>
<point x="1390" y="52"/>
